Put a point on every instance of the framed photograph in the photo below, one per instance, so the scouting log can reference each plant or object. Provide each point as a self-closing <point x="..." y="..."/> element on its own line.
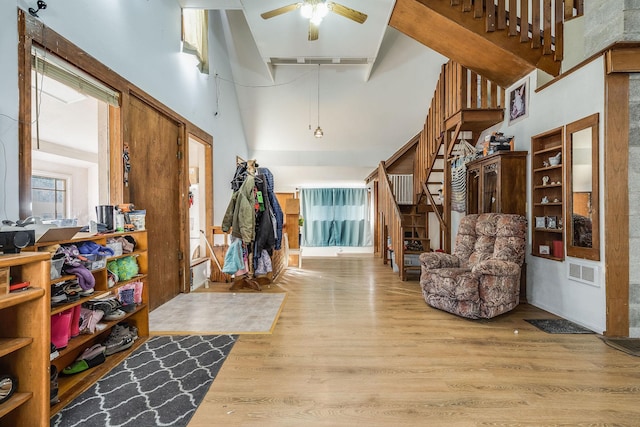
<point x="552" y="222"/>
<point x="519" y="101"/>
<point x="544" y="250"/>
<point x="541" y="222"/>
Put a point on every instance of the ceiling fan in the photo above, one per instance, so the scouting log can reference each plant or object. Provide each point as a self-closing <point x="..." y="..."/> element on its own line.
<point x="315" y="10"/>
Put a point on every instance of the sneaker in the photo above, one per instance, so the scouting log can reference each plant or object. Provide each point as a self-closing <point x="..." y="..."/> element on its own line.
<point x="58" y="296"/>
<point x="72" y="290"/>
<point x="92" y="356"/>
<point x="54" y="352"/>
<point x="116" y="314"/>
<point x="53" y="390"/>
<point x="127" y="300"/>
<point x="121" y="338"/>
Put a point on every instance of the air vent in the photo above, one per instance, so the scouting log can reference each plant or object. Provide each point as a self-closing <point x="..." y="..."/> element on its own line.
<point x="322" y="61"/>
<point x="583" y="273"/>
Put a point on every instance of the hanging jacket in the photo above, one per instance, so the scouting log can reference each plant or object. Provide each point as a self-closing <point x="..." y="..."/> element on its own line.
<point x="265" y="236"/>
<point x="240" y="217"/>
<point x="275" y="205"/>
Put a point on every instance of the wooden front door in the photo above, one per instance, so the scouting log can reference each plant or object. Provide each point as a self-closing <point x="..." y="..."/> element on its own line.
<point x="154" y="186"/>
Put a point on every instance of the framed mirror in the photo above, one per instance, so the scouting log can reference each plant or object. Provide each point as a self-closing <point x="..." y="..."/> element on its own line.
<point x="582" y="214"/>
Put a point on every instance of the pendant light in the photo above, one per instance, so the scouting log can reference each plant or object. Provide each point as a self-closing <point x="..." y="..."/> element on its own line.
<point x="318" y="132"/>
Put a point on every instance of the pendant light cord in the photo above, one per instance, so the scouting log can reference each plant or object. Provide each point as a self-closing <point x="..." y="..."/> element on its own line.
<point x="318" y="95"/>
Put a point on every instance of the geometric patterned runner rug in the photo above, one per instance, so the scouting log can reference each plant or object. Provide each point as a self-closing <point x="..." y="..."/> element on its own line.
<point x="558" y="326"/>
<point x="160" y="384"/>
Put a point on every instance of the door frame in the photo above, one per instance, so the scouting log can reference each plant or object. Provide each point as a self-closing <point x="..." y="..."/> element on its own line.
<point x="33" y="32"/>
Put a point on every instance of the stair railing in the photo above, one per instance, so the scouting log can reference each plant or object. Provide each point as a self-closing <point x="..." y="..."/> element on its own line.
<point x="390" y="212"/>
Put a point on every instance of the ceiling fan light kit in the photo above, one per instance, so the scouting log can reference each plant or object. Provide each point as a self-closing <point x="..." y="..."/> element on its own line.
<point x="315" y="11"/>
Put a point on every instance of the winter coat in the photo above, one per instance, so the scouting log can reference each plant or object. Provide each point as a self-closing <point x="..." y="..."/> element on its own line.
<point x="240" y="216"/>
<point x="275" y="205"/>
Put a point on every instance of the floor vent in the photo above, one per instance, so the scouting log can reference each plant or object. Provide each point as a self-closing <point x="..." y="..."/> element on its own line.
<point x="583" y="273"/>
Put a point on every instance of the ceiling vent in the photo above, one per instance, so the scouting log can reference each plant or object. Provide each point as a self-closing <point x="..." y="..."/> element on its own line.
<point x="316" y="61"/>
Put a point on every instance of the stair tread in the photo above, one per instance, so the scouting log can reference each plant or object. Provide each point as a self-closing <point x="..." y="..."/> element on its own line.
<point x="422" y="239"/>
<point x="414" y="252"/>
<point x="412" y="267"/>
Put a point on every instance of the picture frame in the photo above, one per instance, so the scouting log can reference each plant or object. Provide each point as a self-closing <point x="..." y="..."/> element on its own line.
<point x="519" y="101"/>
<point x="544" y="250"/>
<point x="552" y="222"/>
<point x="541" y="222"/>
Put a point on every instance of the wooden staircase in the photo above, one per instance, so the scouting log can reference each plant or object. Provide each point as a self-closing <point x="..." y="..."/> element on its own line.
<point x="487" y="37"/>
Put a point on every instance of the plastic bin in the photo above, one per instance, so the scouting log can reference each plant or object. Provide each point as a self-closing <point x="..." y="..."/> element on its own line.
<point x="95" y="262"/>
<point x="56" y="268"/>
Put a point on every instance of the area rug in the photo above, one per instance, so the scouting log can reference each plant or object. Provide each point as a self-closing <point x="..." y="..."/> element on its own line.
<point x="159" y="384"/>
<point x="218" y="313"/>
<point x="558" y="326"/>
<point x="628" y="345"/>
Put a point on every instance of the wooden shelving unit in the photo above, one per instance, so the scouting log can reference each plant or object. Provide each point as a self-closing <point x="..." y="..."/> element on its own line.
<point x="24" y="340"/>
<point x="69" y="387"/>
<point x="547" y="192"/>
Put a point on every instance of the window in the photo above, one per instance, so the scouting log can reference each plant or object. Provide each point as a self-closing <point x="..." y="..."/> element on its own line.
<point x="49" y="197"/>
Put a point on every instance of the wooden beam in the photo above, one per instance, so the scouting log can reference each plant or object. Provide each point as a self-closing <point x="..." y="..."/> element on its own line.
<point x="616" y="203"/>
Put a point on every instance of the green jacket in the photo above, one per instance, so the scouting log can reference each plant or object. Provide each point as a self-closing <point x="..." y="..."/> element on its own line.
<point x="241" y="215"/>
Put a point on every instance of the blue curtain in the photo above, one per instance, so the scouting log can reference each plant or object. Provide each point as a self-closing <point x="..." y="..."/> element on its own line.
<point x="335" y="217"/>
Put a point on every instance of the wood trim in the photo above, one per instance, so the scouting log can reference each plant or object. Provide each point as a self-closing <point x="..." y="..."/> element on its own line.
<point x="24" y="122"/>
<point x="623" y="60"/>
<point x="592" y="253"/>
<point x="616" y="203"/>
<point x="32" y="31"/>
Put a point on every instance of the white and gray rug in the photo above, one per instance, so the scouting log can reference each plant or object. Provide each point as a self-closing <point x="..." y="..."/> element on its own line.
<point x="218" y="313"/>
<point x="159" y="384"/>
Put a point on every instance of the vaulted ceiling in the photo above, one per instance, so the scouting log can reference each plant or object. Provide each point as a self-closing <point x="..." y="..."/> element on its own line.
<point x="370" y="94"/>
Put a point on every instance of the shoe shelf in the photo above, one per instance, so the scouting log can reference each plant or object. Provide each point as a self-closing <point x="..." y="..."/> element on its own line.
<point x="71" y="386"/>
<point x="24" y="315"/>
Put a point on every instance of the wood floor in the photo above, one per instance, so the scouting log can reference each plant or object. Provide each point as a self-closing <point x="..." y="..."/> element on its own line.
<point x="354" y="346"/>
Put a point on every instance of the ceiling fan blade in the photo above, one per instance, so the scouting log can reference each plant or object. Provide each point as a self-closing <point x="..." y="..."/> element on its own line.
<point x="347" y="12"/>
<point x="313" y="31"/>
<point x="281" y="10"/>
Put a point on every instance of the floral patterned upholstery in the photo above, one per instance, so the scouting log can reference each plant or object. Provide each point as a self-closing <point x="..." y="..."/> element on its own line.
<point x="481" y="278"/>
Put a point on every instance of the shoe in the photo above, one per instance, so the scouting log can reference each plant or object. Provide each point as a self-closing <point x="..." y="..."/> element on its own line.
<point x="53" y="389"/>
<point x="54" y="352"/>
<point x="86" y="292"/>
<point x="121" y="338"/>
<point x="126" y="297"/>
<point x="72" y="290"/>
<point x="92" y="356"/>
<point x="58" y="296"/>
<point x="116" y="314"/>
<point x="106" y="305"/>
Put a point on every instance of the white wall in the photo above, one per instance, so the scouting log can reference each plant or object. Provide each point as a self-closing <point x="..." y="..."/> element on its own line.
<point x="574" y="97"/>
<point x="140" y="40"/>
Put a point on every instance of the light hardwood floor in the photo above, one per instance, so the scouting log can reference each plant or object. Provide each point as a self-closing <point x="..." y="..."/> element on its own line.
<point x="355" y="346"/>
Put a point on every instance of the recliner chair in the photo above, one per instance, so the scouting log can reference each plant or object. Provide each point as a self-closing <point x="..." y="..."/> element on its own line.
<point x="481" y="279"/>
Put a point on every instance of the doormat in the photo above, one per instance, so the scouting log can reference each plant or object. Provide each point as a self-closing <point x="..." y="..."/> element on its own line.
<point x="218" y="313"/>
<point x="628" y="345"/>
<point x="160" y="384"/>
<point x="558" y="326"/>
